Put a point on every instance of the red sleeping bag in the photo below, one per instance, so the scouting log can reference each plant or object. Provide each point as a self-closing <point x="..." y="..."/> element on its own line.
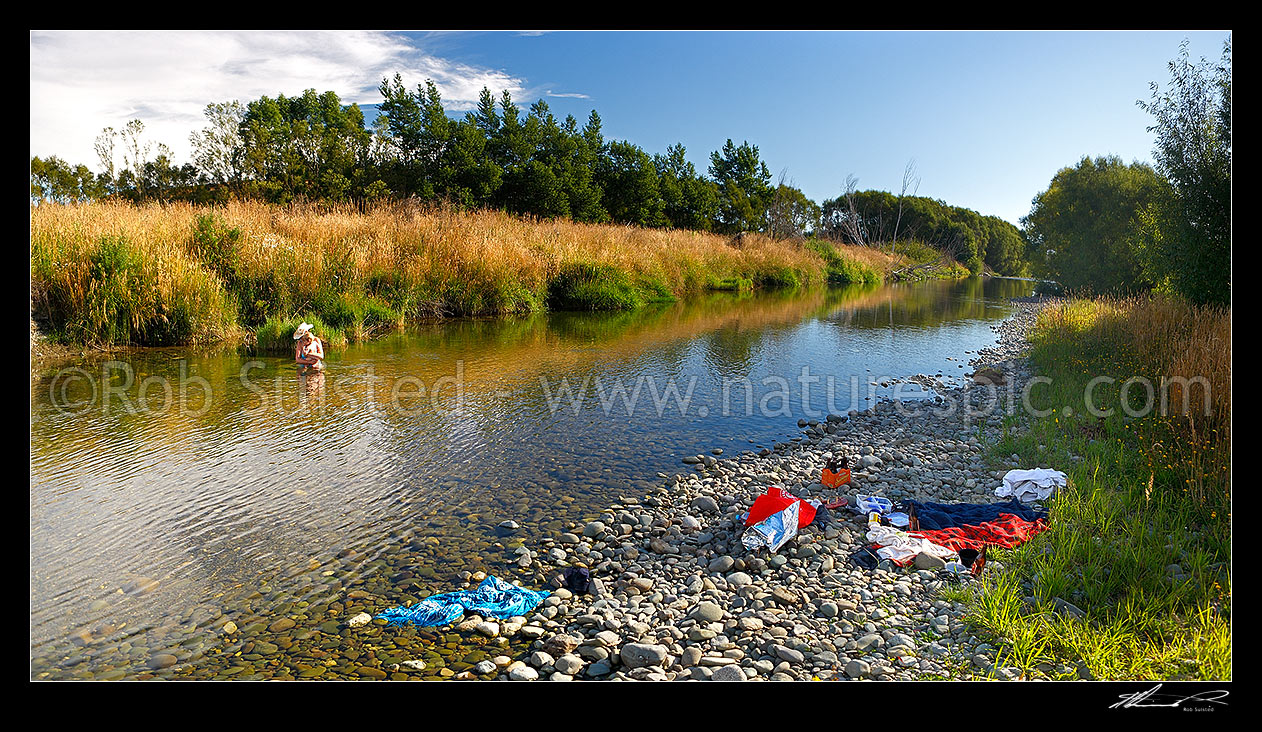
<point x="1007" y="531"/>
<point x="776" y="500"/>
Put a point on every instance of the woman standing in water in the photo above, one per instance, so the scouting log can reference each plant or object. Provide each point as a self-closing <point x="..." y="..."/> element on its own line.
<point x="309" y="350"/>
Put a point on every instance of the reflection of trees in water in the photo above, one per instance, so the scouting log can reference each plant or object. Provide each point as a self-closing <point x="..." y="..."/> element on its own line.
<point x="439" y="464"/>
<point x="931" y="303"/>
<point x="498" y="354"/>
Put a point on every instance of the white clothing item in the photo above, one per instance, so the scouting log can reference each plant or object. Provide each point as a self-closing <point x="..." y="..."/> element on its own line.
<point x="1028" y="486"/>
<point x="899" y="553"/>
<point x="897" y="545"/>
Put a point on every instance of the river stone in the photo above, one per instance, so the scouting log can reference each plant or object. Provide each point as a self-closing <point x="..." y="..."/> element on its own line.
<point x="488" y="629"/>
<point x="739" y="579"/>
<point x="360" y="619"/>
<point x="858" y="669"/>
<point x="636" y="655"/>
<point x="928" y="561"/>
<point x="722" y="564"/>
<point x="989" y="375"/>
<point x="707" y="612"/>
<point x="788" y="654"/>
<point x="705" y="504"/>
<point x="162" y="660"/>
<point x="281" y="625"/>
<point x="1064" y="607"/>
<point x="690" y="657"/>
<point x="728" y="673"/>
<point x="539" y="659"/>
<point x="869" y="642"/>
<point x="593" y="529"/>
<point x="568" y="664"/>
<point x="560" y="644"/>
<point x="523" y="673"/>
<point x="785" y="597"/>
<point x="483" y="668"/>
<point x="658" y="546"/>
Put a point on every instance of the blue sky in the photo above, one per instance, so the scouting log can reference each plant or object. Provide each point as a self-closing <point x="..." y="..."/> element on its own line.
<point x="988" y="117"/>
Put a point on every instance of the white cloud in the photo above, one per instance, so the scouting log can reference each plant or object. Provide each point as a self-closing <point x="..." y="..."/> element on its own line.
<point x="567" y="95"/>
<point x="82" y="82"/>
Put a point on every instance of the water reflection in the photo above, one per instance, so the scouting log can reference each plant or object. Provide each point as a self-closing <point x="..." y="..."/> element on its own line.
<point x="199" y="482"/>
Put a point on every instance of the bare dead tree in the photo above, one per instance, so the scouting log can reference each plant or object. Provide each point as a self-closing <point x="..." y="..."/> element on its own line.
<point x="909" y="177"/>
<point x="779" y="215"/>
<point x="851" y="224"/>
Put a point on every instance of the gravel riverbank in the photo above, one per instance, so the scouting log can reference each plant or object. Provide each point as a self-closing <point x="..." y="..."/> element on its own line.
<point x="679" y="597"/>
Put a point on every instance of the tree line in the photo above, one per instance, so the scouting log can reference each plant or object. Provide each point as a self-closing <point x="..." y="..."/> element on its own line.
<point x="1103" y="226"/>
<point x="878" y="218"/>
<point x="312" y="147"/>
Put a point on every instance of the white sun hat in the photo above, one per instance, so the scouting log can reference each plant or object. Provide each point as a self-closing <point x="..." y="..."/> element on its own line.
<point x="302" y="330"/>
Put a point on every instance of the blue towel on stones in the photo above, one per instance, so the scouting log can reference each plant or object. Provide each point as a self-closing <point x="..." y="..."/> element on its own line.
<point x="934" y="516"/>
<point x="494" y="598"/>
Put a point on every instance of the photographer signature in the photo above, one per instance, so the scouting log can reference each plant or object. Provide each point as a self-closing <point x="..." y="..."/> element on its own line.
<point x="1138" y="699"/>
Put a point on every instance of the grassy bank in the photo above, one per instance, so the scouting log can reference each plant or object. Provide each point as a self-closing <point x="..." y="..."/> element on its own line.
<point x="1141" y="540"/>
<point x="163" y="275"/>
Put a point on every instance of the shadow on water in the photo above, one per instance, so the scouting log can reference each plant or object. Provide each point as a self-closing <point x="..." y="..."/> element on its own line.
<point x="174" y="490"/>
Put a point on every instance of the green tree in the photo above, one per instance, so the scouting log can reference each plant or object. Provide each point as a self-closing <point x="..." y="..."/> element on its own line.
<point x="306" y="147"/>
<point x="1188" y="232"/>
<point x="745" y="189"/>
<point x="628" y="179"/>
<point x="136" y="152"/>
<point x="218" y="147"/>
<point x="791" y="214"/>
<point x="689" y="201"/>
<point x="1085" y="228"/>
<point x="54" y="180"/>
<point x="104" y="147"/>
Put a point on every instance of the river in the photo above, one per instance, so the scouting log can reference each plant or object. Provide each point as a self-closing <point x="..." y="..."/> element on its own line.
<point x="173" y="490"/>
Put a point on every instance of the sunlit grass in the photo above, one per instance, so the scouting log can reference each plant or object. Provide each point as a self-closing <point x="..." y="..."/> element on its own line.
<point x="1141" y="539"/>
<point x="236" y="267"/>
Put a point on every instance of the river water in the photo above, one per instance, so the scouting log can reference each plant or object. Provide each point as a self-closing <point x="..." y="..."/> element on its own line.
<point x="175" y="490"/>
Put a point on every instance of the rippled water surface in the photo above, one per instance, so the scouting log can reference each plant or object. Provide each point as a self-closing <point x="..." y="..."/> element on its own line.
<point x="173" y="490"/>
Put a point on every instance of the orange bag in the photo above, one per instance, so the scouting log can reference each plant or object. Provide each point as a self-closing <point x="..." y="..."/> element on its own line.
<point x="835" y="479"/>
<point x="835" y="473"/>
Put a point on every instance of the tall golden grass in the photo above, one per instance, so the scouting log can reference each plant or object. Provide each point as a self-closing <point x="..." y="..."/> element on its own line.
<point x="1140" y="540"/>
<point x="1184" y="352"/>
<point x="399" y="261"/>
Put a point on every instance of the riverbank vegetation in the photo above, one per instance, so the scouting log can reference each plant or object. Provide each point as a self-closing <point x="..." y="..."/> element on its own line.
<point x="1106" y="227"/>
<point x="168" y="274"/>
<point x="311" y="148"/>
<point x="303" y="208"/>
<point x="1140" y="541"/>
<point x="1133" y="579"/>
